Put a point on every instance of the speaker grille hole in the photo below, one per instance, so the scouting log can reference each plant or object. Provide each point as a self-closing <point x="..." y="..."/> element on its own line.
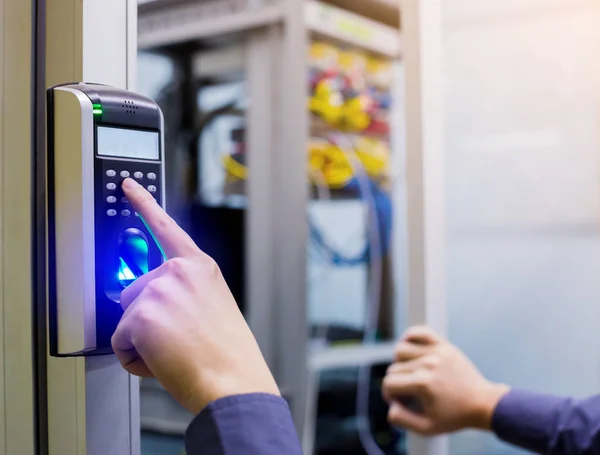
<point x="129" y="106"/>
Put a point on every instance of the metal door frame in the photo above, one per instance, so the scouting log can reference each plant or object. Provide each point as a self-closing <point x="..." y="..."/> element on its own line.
<point x="17" y="427"/>
<point x="426" y="230"/>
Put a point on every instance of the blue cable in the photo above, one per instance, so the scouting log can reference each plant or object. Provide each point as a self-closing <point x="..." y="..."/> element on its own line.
<point x="383" y="206"/>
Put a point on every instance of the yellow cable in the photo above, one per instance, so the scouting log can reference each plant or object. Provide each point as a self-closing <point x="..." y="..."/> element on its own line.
<point x="328" y="162"/>
<point x="234" y="168"/>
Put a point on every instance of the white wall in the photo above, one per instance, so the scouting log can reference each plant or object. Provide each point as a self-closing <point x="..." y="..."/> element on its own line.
<point x="523" y="193"/>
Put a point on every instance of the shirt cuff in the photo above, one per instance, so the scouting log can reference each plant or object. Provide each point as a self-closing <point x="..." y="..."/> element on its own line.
<point x="243" y="425"/>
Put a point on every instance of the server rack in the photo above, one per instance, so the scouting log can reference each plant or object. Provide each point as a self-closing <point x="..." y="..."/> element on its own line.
<point x="267" y="40"/>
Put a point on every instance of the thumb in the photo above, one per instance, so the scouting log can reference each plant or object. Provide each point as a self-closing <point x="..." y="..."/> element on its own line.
<point x="400" y="416"/>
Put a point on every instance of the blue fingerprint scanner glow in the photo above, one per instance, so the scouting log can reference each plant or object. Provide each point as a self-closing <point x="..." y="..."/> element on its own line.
<point x="125" y="273"/>
<point x="133" y="254"/>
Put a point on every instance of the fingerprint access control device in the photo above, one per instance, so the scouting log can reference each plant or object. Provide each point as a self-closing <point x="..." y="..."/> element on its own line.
<point x="97" y="244"/>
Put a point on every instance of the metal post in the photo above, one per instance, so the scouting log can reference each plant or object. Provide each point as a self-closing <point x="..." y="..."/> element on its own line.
<point x="290" y="228"/>
<point x="422" y="28"/>
<point x="261" y="307"/>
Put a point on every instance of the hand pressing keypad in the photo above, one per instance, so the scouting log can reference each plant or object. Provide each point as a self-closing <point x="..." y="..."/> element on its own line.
<point x="116" y="202"/>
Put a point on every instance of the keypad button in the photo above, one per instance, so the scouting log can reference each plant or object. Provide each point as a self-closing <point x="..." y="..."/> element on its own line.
<point x="152" y="188"/>
<point x="125" y="212"/>
<point x="138" y="175"/>
<point x="111" y="186"/>
<point x="124" y="200"/>
<point x="124" y="174"/>
<point x="111" y="199"/>
<point x="111" y="212"/>
<point x="111" y="173"/>
<point x="152" y="176"/>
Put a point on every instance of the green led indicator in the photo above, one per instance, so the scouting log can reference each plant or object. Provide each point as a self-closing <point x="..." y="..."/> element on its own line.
<point x="97" y="109"/>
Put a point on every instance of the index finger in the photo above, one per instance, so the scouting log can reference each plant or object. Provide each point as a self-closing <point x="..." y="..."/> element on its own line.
<point x="173" y="240"/>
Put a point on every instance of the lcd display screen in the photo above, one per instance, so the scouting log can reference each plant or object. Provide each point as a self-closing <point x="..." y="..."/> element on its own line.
<point x="128" y="143"/>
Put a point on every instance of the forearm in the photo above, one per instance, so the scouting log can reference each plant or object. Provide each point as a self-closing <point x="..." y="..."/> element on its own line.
<point x="548" y="424"/>
<point x="244" y="425"/>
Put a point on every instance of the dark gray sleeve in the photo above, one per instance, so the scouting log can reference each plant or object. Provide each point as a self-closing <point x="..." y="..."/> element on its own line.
<point x="256" y="424"/>
<point x="548" y="424"/>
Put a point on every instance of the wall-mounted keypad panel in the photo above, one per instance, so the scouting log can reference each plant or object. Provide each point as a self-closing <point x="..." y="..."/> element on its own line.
<point x="114" y="215"/>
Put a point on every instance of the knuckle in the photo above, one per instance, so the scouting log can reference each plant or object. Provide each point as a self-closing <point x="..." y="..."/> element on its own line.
<point x="193" y="252"/>
<point x="141" y="322"/>
<point x="386" y="383"/>
<point x="425" y="380"/>
<point x="179" y="267"/>
<point x="209" y="267"/>
<point x="393" y="419"/>
<point x="163" y="223"/>
<point x="144" y="197"/>
<point x="157" y="290"/>
<point x="183" y="270"/>
<point x="431" y="362"/>
<point x="400" y="349"/>
<point x="392" y="369"/>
